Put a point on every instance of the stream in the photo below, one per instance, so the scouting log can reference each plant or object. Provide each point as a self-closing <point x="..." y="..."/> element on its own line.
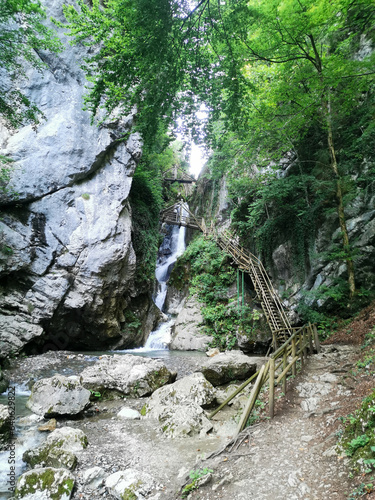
<point x="25" y="372"/>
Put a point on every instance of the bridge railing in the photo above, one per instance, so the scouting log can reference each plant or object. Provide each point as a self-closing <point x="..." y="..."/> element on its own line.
<point x="281" y="364"/>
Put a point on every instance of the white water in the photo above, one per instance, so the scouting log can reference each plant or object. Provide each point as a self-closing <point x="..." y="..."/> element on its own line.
<point x="160" y="338"/>
<point x="26" y="437"/>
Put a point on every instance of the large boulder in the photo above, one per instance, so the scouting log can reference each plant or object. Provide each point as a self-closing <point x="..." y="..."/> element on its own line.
<point x="127" y="374"/>
<point x="178" y="407"/>
<point x="130" y="484"/>
<point x="58" y="450"/>
<point x="93" y="478"/>
<point x="45" y="484"/>
<point x="66" y="225"/>
<point x="184" y="420"/>
<point x="229" y="366"/>
<point x="186" y="332"/>
<point x="191" y="389"/>
<point x="57" y="396"/>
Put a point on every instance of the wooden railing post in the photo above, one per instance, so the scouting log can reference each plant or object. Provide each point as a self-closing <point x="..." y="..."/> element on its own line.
<point x="294" y="367"/>
<point x="304" y="343"/>
<point x="285" y="362"/>
<point x="310" y="334"/>
<point x="316" y="339"/>
<point x="272" y="388"/>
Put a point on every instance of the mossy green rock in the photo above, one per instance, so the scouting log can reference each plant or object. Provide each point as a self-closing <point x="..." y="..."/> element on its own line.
<point x="50" y="456"/>
<point x="58" y="450"/>
<point x="47" y="484"/>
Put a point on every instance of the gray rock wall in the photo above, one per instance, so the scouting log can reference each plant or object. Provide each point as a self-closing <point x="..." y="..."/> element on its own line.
<point x="66" y="257"/>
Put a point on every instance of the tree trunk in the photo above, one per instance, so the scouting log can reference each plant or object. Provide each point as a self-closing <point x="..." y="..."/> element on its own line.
<point x="326" y="105"/>
<point x="340" y="203"/>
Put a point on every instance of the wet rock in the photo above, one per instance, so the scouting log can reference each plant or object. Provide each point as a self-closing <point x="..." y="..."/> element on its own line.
<point x="49" y="426"/>
<point x="58" y="396"/>
<point x="93" y="478"/>
<point x="192" y="389"/>
<point x="45" y="484"/>
<point x="127" y="374"/>
<point x="129" y="413"/>
<point x="5" y="426"/>
<point x="186" y="333"/>
<point x="226" y="367"/>
<point x="130" y="484"/>
<point x="58" y="450"/>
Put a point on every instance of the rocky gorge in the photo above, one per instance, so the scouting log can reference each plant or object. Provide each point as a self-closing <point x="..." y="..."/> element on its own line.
<point x="67" y="261"/>
<point x="93" y="444"/>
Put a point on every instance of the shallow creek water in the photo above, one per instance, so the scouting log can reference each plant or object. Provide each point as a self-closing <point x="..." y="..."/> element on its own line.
<point x="25" y="371"/>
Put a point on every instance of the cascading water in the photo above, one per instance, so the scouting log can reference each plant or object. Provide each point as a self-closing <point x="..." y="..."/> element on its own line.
<point x="160" y="338"/>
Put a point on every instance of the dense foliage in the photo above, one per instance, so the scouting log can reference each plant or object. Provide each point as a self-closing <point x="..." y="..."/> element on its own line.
<point x="206" y="269"/>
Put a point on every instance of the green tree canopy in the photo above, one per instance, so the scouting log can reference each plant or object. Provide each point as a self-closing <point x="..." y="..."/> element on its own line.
<point x="266" y="69"/>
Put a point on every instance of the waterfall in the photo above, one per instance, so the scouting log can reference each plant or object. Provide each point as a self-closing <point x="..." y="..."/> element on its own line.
<point x="172" y="247"/>
<point x="164" y="266"/>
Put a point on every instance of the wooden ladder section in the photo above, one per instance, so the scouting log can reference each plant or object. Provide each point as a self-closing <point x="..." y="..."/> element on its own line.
<point x="179" y="214"/>
<point x="272" y="307"/>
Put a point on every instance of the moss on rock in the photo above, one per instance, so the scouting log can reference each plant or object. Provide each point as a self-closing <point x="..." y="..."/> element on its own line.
<point x="57" y="484"/>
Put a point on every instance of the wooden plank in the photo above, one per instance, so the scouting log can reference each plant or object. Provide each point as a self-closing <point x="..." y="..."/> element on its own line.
<point x="234" y="394"/>
<point x="250" y="404"/>
<point x="285" y="371"/>
<point x="271" y="392"/>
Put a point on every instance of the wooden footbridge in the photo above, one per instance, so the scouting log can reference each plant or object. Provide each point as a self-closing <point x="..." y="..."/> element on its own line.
<point x="176" y="174"/>
<point x="277" y="319"/>
<point x="180" y="215"/>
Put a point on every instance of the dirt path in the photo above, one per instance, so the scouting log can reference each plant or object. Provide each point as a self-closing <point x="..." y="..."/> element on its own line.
<point x="293" y="456"/>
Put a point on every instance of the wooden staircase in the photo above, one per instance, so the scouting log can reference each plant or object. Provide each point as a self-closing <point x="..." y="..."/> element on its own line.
<point x="273" y="309"/>
<point x="271" y="304"/>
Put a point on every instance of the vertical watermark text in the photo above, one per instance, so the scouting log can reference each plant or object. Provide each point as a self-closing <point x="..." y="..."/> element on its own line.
<point x="11" y="475"/>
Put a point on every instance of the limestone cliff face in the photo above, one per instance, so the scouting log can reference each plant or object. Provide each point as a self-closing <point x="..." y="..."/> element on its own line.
<point x="66" y="262"/>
